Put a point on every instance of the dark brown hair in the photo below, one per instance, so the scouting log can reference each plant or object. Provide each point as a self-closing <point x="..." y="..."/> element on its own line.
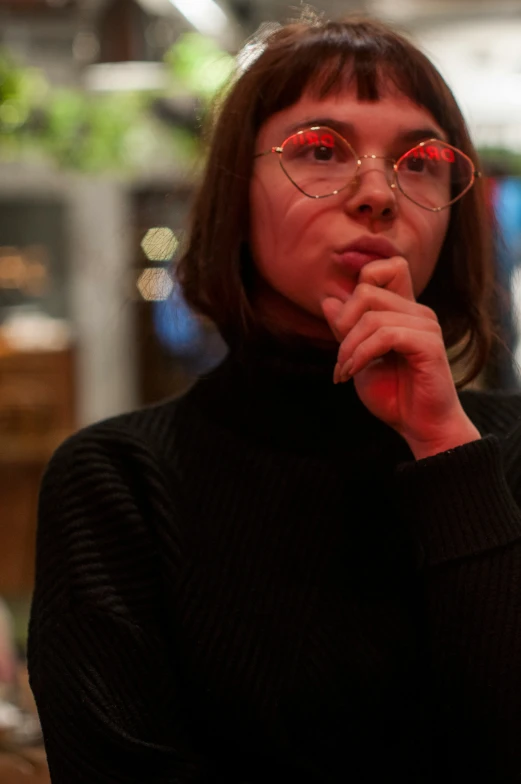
<point x="322" y="58"/>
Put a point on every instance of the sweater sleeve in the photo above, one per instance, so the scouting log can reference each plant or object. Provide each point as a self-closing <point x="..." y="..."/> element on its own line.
<point x="100" y="667"/>
<point x="462" y="507"/>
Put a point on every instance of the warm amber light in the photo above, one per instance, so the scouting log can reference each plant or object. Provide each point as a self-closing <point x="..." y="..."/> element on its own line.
<point x="155" y="284"/>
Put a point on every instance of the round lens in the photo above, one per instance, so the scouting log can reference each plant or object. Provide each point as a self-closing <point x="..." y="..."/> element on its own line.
<point x="318" y="161"/>
<point x="434" y="174"/>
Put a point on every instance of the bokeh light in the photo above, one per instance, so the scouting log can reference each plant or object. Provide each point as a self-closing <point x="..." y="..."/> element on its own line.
<point x="159" y="244"/>
<point x="155" y="284"/>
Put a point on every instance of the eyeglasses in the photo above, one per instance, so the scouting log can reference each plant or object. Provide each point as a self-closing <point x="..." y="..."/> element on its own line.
<point x="320" y="163"/>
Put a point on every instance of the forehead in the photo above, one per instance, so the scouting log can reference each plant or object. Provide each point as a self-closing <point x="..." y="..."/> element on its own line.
<point x="385" y="119"/>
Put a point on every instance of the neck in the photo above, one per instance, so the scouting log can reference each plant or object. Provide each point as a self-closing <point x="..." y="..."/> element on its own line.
<point x="281" y="394"/>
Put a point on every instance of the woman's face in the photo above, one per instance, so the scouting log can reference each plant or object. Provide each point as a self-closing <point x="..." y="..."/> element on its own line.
<point x="295" y="239"/>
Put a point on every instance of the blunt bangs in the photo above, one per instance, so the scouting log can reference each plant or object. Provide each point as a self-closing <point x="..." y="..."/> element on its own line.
<point x="329" y="60"/>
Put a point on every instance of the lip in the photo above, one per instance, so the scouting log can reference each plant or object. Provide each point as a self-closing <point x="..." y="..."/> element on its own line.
<point x="364" y="250"/>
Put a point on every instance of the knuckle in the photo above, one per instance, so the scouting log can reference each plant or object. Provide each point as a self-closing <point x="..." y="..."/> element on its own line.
<point x="434" y="328"/>
<point x="370" y="319"/>
<point x="363" y="289"/>
<point x="386" y="331"/>
<point x="427" y="312"/>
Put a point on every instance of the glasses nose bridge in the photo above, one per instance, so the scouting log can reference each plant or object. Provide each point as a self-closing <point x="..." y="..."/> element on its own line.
<point x="390" y="171"/>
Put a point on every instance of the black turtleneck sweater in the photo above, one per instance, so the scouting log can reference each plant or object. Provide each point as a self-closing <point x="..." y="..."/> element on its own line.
<point x="257" y="582"/>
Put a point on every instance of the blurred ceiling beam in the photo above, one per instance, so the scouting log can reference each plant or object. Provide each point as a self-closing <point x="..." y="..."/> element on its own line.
<point x="229" y="35"/>
<point x="121" y="31"/>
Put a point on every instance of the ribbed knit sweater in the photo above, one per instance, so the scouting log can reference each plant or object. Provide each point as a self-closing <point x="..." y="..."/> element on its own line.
<point x="256" y="582"/>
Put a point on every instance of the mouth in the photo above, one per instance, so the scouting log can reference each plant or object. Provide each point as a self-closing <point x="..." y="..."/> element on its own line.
<point x="356" y="255"/>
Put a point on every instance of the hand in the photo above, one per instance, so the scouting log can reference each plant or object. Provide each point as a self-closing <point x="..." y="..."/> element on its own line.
<point x="393" y="348"/>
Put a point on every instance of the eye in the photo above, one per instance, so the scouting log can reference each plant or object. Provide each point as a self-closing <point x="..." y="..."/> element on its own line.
<point x="414" y="164"/>
<point x="323" y="153"/>
<point x="317" y="146"/>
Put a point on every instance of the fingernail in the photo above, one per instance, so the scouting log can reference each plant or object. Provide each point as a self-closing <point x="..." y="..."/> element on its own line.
<point x="336" y="374"/>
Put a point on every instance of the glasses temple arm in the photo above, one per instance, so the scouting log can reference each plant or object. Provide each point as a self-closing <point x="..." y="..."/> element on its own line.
<point x="268" y="152"/>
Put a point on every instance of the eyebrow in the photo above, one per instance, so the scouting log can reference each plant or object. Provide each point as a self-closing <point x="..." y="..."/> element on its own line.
<point x="348" y="129"/>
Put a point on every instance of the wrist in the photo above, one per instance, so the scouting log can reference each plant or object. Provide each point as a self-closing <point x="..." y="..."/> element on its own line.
<point x="458" y="435"/>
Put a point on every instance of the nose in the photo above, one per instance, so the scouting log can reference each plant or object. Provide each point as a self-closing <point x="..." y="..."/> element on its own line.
<point x="374" y="192"/>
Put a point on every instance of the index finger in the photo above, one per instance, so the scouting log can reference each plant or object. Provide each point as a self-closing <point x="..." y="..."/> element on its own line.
<point x="392" y="274"/>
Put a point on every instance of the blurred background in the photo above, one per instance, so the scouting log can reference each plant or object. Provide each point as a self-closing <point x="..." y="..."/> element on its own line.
<point x="101" y="105"/>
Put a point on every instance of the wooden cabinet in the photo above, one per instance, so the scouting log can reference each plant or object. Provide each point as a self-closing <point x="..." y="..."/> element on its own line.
<point x="37" y="396"/>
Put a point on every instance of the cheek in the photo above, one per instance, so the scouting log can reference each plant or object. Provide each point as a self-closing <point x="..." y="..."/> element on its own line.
<point x="265" y="220"/>
<point x="280" y="221"/>
<point x="430" y="233"/>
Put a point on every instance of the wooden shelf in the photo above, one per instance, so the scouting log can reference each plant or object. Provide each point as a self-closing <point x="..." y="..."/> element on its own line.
<point x="37" y="413"/>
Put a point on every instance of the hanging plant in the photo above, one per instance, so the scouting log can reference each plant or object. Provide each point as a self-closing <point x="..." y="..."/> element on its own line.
<point x="22" y="92"/>
<point x="118" y="131"/>
<point x="198" y="66"/>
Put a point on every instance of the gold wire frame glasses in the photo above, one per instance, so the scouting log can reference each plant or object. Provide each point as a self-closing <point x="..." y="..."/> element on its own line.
<point x="321" y="163"/>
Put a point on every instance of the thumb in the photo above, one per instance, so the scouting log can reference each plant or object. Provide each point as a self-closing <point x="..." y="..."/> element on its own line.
<point x="332" y="308"/>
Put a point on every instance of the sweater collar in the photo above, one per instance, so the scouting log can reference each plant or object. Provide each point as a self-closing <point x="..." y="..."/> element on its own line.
<point x="282" y="396"/>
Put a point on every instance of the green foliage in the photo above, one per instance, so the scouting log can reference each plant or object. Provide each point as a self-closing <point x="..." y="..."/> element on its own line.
<point x="20" y="91"/>
<point x="96" y="132"/>
<point x="500" y="161"/>
<point x="90" y="132"/>
<point x="199" y="65"/>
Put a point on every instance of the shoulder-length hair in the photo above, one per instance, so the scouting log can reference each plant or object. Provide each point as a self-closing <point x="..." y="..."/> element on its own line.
<point x="321" y="58"/>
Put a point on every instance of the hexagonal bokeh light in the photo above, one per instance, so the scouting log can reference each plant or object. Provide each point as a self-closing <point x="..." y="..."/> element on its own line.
<point x="159" y="244"/>
<point x="155" y="284"/>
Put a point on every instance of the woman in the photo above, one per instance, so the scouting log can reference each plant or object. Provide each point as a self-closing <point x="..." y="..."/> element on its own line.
<point x="308" y="567"/>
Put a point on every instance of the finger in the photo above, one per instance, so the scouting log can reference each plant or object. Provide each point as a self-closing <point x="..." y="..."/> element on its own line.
<point x="332" y="309"/>
<point x="392" y="274"/>
<point x="368" y="297"/>
<point x="414" y="345"/>
<point x="372" y="321"/>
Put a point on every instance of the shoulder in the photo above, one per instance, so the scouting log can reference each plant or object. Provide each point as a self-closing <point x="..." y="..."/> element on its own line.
<point x="148" y="425"/>
<point x="106" y="501"/>
<point x="113" y="468"/>
<point x="143" y="435"/>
